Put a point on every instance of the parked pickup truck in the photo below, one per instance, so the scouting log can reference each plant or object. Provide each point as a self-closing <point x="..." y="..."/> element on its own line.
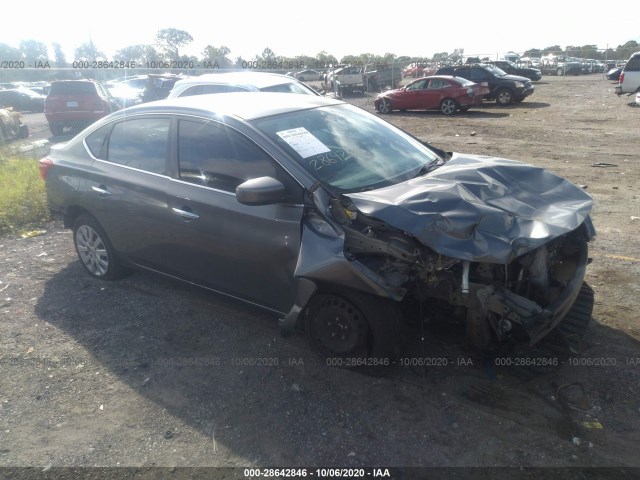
<point x="560" y="65"/>
<point x="346" y="77"/>
<point x="377" y="76"/>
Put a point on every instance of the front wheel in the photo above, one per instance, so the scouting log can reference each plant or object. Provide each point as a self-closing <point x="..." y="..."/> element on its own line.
<point x="560" y="72"/>
<point x="384" y="106"/>
<point x="448" y="106"/>
<point x="352" y="329"/>
<point x="94" y="249"/>
<point x="504" y="97"/>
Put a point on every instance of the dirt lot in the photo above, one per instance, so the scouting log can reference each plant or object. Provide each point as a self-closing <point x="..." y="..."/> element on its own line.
<point x="148" y="372"/>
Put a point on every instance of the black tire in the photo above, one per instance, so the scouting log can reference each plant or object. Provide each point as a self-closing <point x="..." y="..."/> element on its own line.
<point x="384" y="106"/>
<point x="448" y="106"/>
<point x="352" y="329"/>
<point x="504" y="97"/>
<point x="23" y="131"/>
<point x="56" y="129"/>
<point x="560" y="72"/>
<point x="94" y="249"/>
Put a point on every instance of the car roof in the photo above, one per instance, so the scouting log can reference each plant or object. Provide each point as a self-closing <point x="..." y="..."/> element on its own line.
<point x="247" y="79"/>
<point x="80" y="80"/>
<point x="244" y="105"/>
<point x="445" y="77"/>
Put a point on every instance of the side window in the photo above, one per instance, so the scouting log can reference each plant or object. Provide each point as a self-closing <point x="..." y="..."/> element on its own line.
<point x="218" y="157"/>
<point x="477" y="75"/>
<point x="140" y="143"/>
<point x="417" y="85"/>
<point x="196" y="90"/>
<point x="95" y="141"/>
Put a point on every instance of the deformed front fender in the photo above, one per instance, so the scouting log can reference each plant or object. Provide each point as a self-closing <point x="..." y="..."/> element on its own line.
<point x="322" y="262"/>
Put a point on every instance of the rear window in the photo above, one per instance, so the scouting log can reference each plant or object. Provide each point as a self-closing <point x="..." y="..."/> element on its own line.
<point x="286" y="88"/>
<point x="72" y="88"/>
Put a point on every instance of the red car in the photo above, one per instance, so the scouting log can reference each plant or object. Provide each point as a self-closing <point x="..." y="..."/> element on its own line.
<point x="441" y="92"/>
<point x="413" y="70"/>
<point x="77" y="104"/>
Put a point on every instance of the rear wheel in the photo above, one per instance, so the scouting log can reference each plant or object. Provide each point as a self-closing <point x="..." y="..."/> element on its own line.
<point x="448" y="106"/>
<point x="94" y="249"/>
<point x="352" y="329"/>
<point x="56" y="128"/>
<point x="560" y="72"/>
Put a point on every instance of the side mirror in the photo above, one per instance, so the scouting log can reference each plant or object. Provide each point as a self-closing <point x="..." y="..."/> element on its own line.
<point x="260" y="191"/>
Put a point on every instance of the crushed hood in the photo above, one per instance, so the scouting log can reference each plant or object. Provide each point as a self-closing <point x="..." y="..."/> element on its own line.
<point x="478" y="208"/>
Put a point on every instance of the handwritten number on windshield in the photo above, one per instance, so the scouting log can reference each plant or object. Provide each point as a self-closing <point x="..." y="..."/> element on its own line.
<point x="327" y="159"/>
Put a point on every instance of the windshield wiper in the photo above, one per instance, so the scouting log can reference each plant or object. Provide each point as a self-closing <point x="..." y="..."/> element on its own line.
<point x="428" y="167"/>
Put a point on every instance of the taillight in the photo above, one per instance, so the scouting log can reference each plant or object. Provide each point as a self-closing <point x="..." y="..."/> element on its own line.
<point x="45" y="166"/>
<point x="621" y="79"/>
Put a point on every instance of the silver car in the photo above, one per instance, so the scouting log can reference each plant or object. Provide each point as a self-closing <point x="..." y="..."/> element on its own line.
<point x="341" y="224"/>
<point x="239" y="82"/>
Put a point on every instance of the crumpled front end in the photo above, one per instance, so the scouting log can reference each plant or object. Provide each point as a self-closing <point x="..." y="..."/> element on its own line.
<point x="498" y="244"/>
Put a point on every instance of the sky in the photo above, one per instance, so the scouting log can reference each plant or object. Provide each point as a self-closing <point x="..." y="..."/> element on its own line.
<point x="290" y="28"/>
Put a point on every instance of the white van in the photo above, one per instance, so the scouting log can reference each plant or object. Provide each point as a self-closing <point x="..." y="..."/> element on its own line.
<point x="629" y="81"/>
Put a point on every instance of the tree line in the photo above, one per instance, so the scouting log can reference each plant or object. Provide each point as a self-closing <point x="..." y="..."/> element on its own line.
<point x="169" y="42"/>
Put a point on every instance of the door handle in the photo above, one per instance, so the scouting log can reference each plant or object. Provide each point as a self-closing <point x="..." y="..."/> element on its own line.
<point x="101" y="190"/>
<point x="185" y="213"/>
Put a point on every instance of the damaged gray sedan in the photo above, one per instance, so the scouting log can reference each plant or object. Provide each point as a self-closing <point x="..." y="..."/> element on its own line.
<point x="326" y="215"/>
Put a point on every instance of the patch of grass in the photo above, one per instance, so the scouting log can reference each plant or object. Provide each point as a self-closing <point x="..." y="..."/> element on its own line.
<point x="23" y="202"/>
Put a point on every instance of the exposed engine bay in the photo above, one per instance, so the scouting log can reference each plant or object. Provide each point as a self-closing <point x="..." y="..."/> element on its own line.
<point x="524" y="299"/>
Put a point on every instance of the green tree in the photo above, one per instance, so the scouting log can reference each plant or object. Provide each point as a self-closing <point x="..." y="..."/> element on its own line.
<point x="33" y="51"/>
<point x="623" y="52"/>
<point x="267" y="55"/>
<point x="89" y="52"/>
<point x="140" y="54"/>
<point x="217" y="56"/>
<point x="171" y="40"/>
<point x="325" y="60"/>
<point x="533" y="52"/>
<point x="61" y="60"/>
<point x="552" y="49"/>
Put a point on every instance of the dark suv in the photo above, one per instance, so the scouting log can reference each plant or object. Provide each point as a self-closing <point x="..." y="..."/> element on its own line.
<point x="504" y="88"/>
<point x="511" y="68"/>
<point x="77" y="104"/>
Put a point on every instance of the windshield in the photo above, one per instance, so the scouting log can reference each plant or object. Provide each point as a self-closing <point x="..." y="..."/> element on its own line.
<point x="347" y="148"/>
<point x="495" y="70"/>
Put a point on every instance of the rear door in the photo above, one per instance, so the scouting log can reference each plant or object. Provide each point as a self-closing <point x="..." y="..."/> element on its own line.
<point x="437" y="90"/>
<point x="127" y="187"/>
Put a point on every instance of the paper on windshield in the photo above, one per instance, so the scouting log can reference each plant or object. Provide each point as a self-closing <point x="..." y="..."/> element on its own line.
<point x="303" y="142"/>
